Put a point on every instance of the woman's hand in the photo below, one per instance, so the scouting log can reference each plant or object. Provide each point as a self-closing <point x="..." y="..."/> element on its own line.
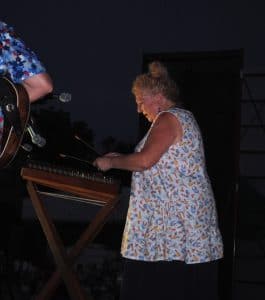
<point x="104" y="163"/>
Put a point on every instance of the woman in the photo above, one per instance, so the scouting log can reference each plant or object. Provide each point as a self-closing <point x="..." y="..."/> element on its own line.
<point x="171" y="241"/>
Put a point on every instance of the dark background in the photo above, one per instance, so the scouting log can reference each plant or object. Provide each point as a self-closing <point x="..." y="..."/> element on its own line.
<point x="94" y="50"/>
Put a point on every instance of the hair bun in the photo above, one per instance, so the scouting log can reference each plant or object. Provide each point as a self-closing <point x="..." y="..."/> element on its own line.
<point x="158" y="70"/>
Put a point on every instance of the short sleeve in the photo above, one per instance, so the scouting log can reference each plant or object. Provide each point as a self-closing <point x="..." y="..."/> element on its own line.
<point x="18" y="62"/>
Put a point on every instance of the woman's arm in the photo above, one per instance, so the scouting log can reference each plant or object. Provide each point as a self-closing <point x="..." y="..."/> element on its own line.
<point x="38" y="86"/>
<point x="166" y="131"/>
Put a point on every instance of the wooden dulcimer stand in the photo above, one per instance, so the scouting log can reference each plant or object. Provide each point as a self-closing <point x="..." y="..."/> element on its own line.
<point x="88" y="188"/>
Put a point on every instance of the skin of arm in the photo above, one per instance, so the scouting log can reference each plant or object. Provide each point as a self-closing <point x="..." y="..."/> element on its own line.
<point x="166" y="131"/>
<point x="38" y="86"/>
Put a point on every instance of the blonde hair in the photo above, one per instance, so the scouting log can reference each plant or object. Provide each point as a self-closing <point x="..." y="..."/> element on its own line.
<point x="155" y="81"/>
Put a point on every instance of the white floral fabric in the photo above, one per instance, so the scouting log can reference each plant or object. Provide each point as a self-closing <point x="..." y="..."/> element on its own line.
<point x="172" y="213"/>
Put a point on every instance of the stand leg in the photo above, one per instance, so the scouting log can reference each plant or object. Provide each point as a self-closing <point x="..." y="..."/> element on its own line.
<point x="87" y="236"/>
<point x="73" y="286"/>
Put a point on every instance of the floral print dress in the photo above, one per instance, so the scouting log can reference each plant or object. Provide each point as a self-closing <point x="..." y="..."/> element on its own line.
<point x="172" y="213"/>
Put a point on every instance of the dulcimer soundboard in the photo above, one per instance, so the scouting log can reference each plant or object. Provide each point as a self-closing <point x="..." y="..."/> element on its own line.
<point x="87" y="186"/>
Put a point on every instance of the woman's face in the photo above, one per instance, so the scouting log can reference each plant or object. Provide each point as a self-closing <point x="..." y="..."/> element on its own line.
<point x="147" y="104"/>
